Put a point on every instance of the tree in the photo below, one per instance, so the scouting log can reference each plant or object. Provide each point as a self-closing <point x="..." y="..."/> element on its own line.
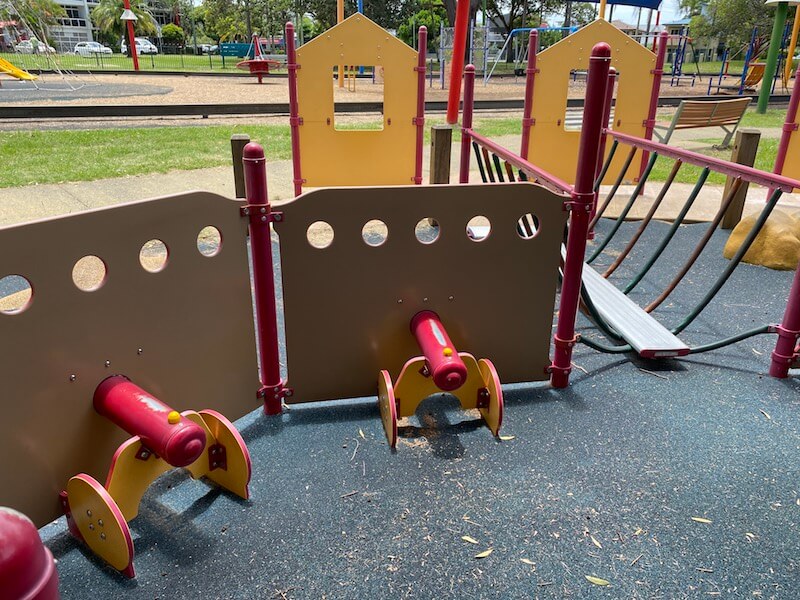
<point x="38" y="15"/>
<point x="510" y="14"/>
<point x="106" y="17"/>
<point x="432" y="19"/>
<point x="172" y="34"/>
<point x="732" y="21"/>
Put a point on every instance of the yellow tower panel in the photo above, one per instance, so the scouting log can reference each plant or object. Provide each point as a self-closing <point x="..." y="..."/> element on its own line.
<point x="331" y="157"/>
<point x="555" y="148"/>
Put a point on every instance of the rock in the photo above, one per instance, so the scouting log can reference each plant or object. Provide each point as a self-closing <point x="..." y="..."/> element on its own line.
<point x="777" y="246"/>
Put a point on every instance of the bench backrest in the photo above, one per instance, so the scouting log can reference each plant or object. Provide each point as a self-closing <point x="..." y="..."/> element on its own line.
<point x="694" y="113"/>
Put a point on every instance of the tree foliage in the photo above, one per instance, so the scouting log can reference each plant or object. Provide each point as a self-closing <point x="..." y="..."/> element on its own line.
<point x="106" y="14"/>
<point x="432" y="19"/>
<point x="509" y="14"/>
<point x="732" y="21"/>
<point x="172" y="34"/>
<point x="39" y="15"/>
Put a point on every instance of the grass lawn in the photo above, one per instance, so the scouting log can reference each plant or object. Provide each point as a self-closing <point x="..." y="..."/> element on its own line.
<point x="35" y="157"/>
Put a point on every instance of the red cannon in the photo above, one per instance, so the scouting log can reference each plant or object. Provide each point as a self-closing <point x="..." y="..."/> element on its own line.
<point x="204" y="442"/>
<point x="441" y="369"/>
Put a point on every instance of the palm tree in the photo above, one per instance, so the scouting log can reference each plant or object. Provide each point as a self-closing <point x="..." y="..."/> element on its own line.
<point x="106" y="17"/>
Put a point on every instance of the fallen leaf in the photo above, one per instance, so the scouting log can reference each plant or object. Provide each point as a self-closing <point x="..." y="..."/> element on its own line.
<point x="701" y="520"/>
<point x="596" y="580"/>
<point x="485" y="553"/>
<point x="750" y="536"/>
<point x="595" y="542"/>
<point x="466" y="538"/>
<point x="639" y="531"/>
<point x="528" y="561"/>
<point x="507" y="438"/>
<point x="361" y="433"/>
<point x="765" y="413"/>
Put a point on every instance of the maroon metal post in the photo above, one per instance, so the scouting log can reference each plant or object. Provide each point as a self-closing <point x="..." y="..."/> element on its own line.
<point x="788" y="333"/>
<point x="581" y="208"/>
<point x="789" y="127"/>
<point x="466" y="122"/>
<point x="419" y="120"/>
<point x="294" y="119"/>
<point x="612" y="76"/>
<point x="530" y="77"/>
<point x="657" y="72"/>
<point x="273" y="388"/>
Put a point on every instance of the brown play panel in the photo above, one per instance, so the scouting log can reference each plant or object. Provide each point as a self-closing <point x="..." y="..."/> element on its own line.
<point x="185" y="334"/>
<point x="348" y="306"/>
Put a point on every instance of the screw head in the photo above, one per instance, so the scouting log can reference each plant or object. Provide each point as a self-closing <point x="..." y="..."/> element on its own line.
<point x="264" y="219"/>
<point x="108" y="363"/>
<point x="102" y="536"/>
<point x="91" y="526"/>
<point x="73" y="377"/>
<point x="279" y="217"/>
<point x="100" y="522"/>
<point x="140" y="350"/>
<point x="262" y="210"/>
<point x="88" y="513"/>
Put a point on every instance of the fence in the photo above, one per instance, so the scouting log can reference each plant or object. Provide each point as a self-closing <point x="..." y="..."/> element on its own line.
<point x="168" y="59"/>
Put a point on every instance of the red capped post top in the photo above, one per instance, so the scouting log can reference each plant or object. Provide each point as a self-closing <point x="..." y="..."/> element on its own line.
<point x="447" y="369"/>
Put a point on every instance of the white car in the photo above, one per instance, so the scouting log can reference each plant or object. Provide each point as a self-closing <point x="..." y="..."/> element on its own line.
<point x="143" y="46"/>
<point x="28" y="47"/>
<point x="91" y="48"/>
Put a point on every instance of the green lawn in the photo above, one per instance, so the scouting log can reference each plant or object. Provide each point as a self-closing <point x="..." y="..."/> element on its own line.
<point x="34" y="157"/>
<point x="119" y="62"/>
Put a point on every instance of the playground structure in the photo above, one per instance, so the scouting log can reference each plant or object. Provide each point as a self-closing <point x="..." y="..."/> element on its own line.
<point x="441" y="251"/>
<point x="259" y="65"/>
<point x="679" y="59"/>
<point x="521" y="50"/>
<point x="15" y="72"/>
<point x="323" y="154"/>
<point x="478" y="50"/>
<point x="629" y="327"/>
<point x="546" y="87"/>
<point x="752" y="72"/>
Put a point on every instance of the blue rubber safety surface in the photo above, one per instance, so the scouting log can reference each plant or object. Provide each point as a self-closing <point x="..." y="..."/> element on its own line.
<point x="602" y="479"/>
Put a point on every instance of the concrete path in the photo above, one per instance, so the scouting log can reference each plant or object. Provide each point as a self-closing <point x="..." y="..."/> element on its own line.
<point x="22" y="204"/>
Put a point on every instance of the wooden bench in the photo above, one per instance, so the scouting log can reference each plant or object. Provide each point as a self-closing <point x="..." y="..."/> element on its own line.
<point x="694" y="114"/>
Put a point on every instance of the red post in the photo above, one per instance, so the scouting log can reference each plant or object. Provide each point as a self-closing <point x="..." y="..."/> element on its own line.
<point x="658" y="20"/>
<point x="581" y="208"/>
<point x="658" y="72"/>
<point x="273" y="389"/>
<point x="612" y="77"/>
<point x="788" y="333"/>
<point x="163" y="430"/>
<point x="419" y="120"/>
<point x="459" y="48"/>
<point x="789" y="128"/>
<point x="466" y="123"/>
<point x="131" y="38"/>
<point x="530" y="75"/>
<point x="294" y="119"/>
<point x="446" y="368"/>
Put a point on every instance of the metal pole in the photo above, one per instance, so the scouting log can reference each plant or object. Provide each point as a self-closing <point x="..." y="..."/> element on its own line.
<point x="466" y="123"/>
<point x="339" y="19"/>
<point x="581" y="205"/>
<point x="273" y="389"/>
<point x="788" y="331"/>
<point x="772" y="57"/>
<point x="787" y="68"/>
<point x="789" y="128"/>
<point x="530" y="75"/>
<point x="602" y="13"/>
<point x="457" y="65"/>
<point x="601" y="152"/>
<point x="658" y="72"/>
<point x="294" y="117"/>
<point x="419" y="120"/>
<point x="131" y="38"/>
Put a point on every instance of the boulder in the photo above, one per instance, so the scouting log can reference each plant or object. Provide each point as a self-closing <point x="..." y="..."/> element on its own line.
<point x="777" y="246"/>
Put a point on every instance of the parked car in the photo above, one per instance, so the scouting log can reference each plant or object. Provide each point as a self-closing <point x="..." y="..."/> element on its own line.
<point x="91" y="48"/>
<point x="29" y="47"/>
<point x="143" y="46"/>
